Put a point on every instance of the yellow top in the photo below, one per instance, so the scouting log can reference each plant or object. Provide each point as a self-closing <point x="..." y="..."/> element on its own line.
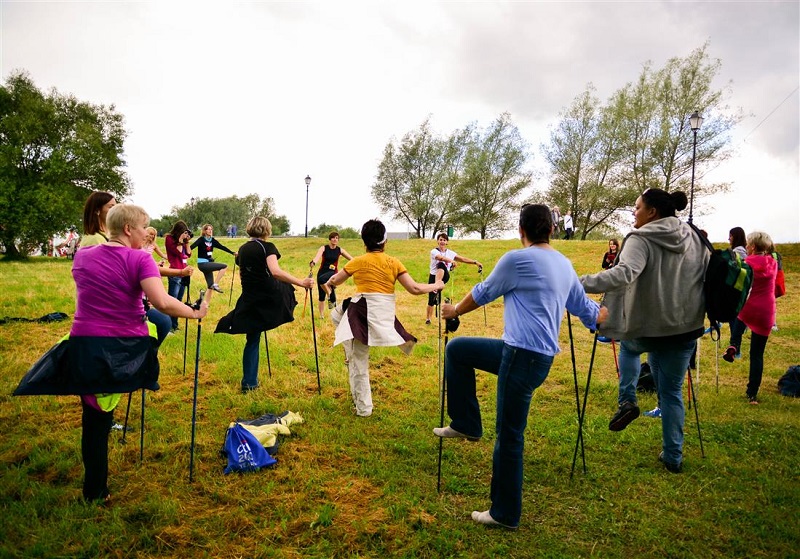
<point x="375" y="272"/>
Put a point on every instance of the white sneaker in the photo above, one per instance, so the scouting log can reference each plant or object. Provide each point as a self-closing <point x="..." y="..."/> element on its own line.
<point x="486" y="519"/>
<point x="450" y="433"/>
<point x="216" y="288"/>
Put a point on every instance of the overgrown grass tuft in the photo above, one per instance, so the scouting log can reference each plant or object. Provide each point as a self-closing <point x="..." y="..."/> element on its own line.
<point x="352" y="487"/>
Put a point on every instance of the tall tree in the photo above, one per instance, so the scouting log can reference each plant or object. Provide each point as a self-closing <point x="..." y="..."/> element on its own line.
<point x="413" y="181"/>
<point x="493" y="176"/>
<point x="232" y="210"/>
<point x="54" y="150"/>
<point x="602" y="157"/>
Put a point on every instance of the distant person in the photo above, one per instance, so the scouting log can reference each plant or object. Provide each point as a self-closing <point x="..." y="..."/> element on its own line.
<point x="569" y="228"/>
<point x="555" y="215"/>
<point x="758" y="312"/>
<point x="176" y="243"/>
<point x="537" y="283"/>
<point x="442" y="262"/>
<point x="738" y="242"/>
<point x="328" y="258"/>
<point x="610" y="256"/>
<point x="94" y="218"/>
<point x="110" y="279"/>
<point x="229" y="231"/>
<point x="654" y="295"/>
<point x="368" y="317"/>
<point x="150" y="246"/>
<point x="267" y="298"/>
<point x="205" y="245"/>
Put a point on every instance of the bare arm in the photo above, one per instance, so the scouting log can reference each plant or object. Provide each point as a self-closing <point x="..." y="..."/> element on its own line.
<point x="286" y="277"/>
<point x="159" y="253"/>
<point x="346" y="254"/>
<point x="174" y="272"/>
<point x="317" y="257"/>
<point x="465" y="305"/>
<point x="154" y="290"/>
<point x="467" y="261"/>
<point x="416" y="288"/>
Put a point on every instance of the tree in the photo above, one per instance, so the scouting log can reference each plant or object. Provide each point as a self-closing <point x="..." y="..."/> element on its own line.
<point x="54" y="151"/>
<point x="493" y="176"/>
<point x="323" y="229"/>
<point x="222" y="212"/>
<point x="602" y="157"/>
<point x="414" y="179"/>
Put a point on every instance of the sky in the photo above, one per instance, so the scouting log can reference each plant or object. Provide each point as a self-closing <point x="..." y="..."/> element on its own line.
<point x="233" y="98"/>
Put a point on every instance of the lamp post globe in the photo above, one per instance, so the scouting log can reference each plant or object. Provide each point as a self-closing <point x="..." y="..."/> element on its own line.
<point x="695" y="121"/>
<point x="308" y="183"/>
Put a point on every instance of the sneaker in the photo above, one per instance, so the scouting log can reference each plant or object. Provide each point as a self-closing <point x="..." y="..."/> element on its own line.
<point x="774" y="327"/>
<point x="729" y="354"/>
<point x="427" y="321"/>
<point x="331" y="304"/>
<point x="217" y="288"/>
<point x="450" y="433"/>
<point x="752" y="399"/>
<point x="246" y="389"/>
<point x="486" y="519"/>
<point x="654" y="413"/>
<point x="626" y="413"/>
<point x="673" y="468"/>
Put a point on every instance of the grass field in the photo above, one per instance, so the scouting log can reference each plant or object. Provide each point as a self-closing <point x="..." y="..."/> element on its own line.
<point x="353" y="487"/>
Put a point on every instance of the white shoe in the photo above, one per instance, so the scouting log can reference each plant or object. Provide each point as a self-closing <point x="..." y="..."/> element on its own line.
<point x="216" y="288"/>
<point x="450" y="433"/>
<point x="486" y="519"/>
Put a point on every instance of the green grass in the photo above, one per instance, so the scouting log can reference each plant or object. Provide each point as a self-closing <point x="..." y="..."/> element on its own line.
<point x="352" y="487"/>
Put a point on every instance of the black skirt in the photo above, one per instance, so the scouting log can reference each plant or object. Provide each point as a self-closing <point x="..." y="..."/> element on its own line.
<point x="260" y="310"/>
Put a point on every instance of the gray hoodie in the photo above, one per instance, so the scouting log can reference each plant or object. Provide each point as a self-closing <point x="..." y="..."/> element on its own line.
<point x="656" y="287"/>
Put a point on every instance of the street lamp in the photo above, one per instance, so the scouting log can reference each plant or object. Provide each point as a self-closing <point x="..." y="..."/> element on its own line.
<point x="695" y="121"/>
<point x="308" y="182"/>
<point x="192" y="218"/>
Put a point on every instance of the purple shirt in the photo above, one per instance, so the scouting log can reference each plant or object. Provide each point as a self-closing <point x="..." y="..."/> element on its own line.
<point x="109" y="292"/>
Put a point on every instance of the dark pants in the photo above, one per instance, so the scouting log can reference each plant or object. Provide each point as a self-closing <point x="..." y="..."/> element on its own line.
<point x="208" y="269"/>
<point x="94" y="451"/>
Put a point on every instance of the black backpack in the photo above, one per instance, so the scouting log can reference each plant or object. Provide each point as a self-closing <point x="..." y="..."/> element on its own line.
<point x="789" y="383"/>
<point x="646" y="381"/>
<point x="727" y="284"/>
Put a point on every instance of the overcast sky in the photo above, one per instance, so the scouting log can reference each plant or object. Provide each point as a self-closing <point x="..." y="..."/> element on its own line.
<point x="224" y="98"/>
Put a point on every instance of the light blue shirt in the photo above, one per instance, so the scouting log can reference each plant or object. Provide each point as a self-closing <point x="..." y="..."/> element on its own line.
<point x="537" y="284"/>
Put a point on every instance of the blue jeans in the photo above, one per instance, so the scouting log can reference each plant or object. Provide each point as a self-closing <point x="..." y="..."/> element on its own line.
<point x="669" y="363"/>
<point x="519" y="372"/>
<point x="162" y="322"/>
<point x="175" y="288"/>
<point x="250" y="361"/>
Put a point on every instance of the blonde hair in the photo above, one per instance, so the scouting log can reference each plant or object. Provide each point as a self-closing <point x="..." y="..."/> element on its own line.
<point x="206" y="226"/>
<point x="152" y="230"/>
<point x="259" y="227"/>
<point x="124" y="214"/>
<point x="760" y="241"/>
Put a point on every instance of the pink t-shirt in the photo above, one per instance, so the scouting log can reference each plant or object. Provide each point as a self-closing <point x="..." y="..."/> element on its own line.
<point x="109" y="292"/>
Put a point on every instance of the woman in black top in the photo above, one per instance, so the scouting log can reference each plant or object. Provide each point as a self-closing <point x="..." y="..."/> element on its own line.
<point x="205" y="245"/>
<point x="267" y="300"/>
<point x="328" y="257"/>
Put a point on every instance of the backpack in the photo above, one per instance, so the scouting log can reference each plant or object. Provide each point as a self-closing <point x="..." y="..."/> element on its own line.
<point x="727" y="284"/>
<point x="789" y="383"/>
<point x="646" y="381"/>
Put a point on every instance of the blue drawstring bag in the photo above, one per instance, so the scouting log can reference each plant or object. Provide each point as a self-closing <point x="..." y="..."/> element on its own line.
<point x="245" y="453"/>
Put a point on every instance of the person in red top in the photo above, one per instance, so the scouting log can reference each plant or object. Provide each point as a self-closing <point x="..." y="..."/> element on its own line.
<point x="178" y="252"/>
<point x="758" y="312"/>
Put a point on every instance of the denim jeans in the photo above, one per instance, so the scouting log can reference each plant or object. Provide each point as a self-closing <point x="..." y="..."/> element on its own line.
<point x="519" y="372"/>
<point x="250" y="361"/>
<point x="162" y="322"/>
<point x="669" y="363"/>
<point x="175" y="288"/>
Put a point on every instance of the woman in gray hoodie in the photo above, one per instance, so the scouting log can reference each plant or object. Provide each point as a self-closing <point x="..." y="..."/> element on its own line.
<point x="656" y="305"/>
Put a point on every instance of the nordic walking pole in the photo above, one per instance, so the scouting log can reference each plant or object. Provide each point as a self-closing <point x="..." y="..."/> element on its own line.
<point x="583" y="407"/>
<point x="266" y="343"/>
<point x="233" y="276"/>
<point x="716" y="355"/>
<point x="442" y="381"/>
<point x="696" y="414"/>
<point x="186" y="330"/>
<point x="207" y="294"/>
<point x="485" y="322"/>
<point x="127" y="414"/>
<point x="141" y="432"/>
<point x="577" y="396"/>
<point x="314" y="333"/>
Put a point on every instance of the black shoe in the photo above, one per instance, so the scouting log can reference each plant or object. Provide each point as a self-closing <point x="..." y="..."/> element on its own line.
<point x="626" y="413"/>
<point x="729" y="354"/>
<point x="673" y="468"/>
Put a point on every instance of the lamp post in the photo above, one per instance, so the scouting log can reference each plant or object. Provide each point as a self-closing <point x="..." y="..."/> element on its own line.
<point x="695" y="121"/>
<point x="193" y="217"/>
<point x="308" y="182"/>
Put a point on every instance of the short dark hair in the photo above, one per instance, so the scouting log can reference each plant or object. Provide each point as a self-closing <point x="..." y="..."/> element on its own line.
<point x="333" y="234"/>
<point x="663" y="202"/>
<point x="373" y="233"/>
<point x="536" y="221"/>
<point x="442" y="234"/>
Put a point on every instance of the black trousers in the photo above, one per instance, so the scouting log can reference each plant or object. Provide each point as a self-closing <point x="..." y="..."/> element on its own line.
<point x="94" y="450"/>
